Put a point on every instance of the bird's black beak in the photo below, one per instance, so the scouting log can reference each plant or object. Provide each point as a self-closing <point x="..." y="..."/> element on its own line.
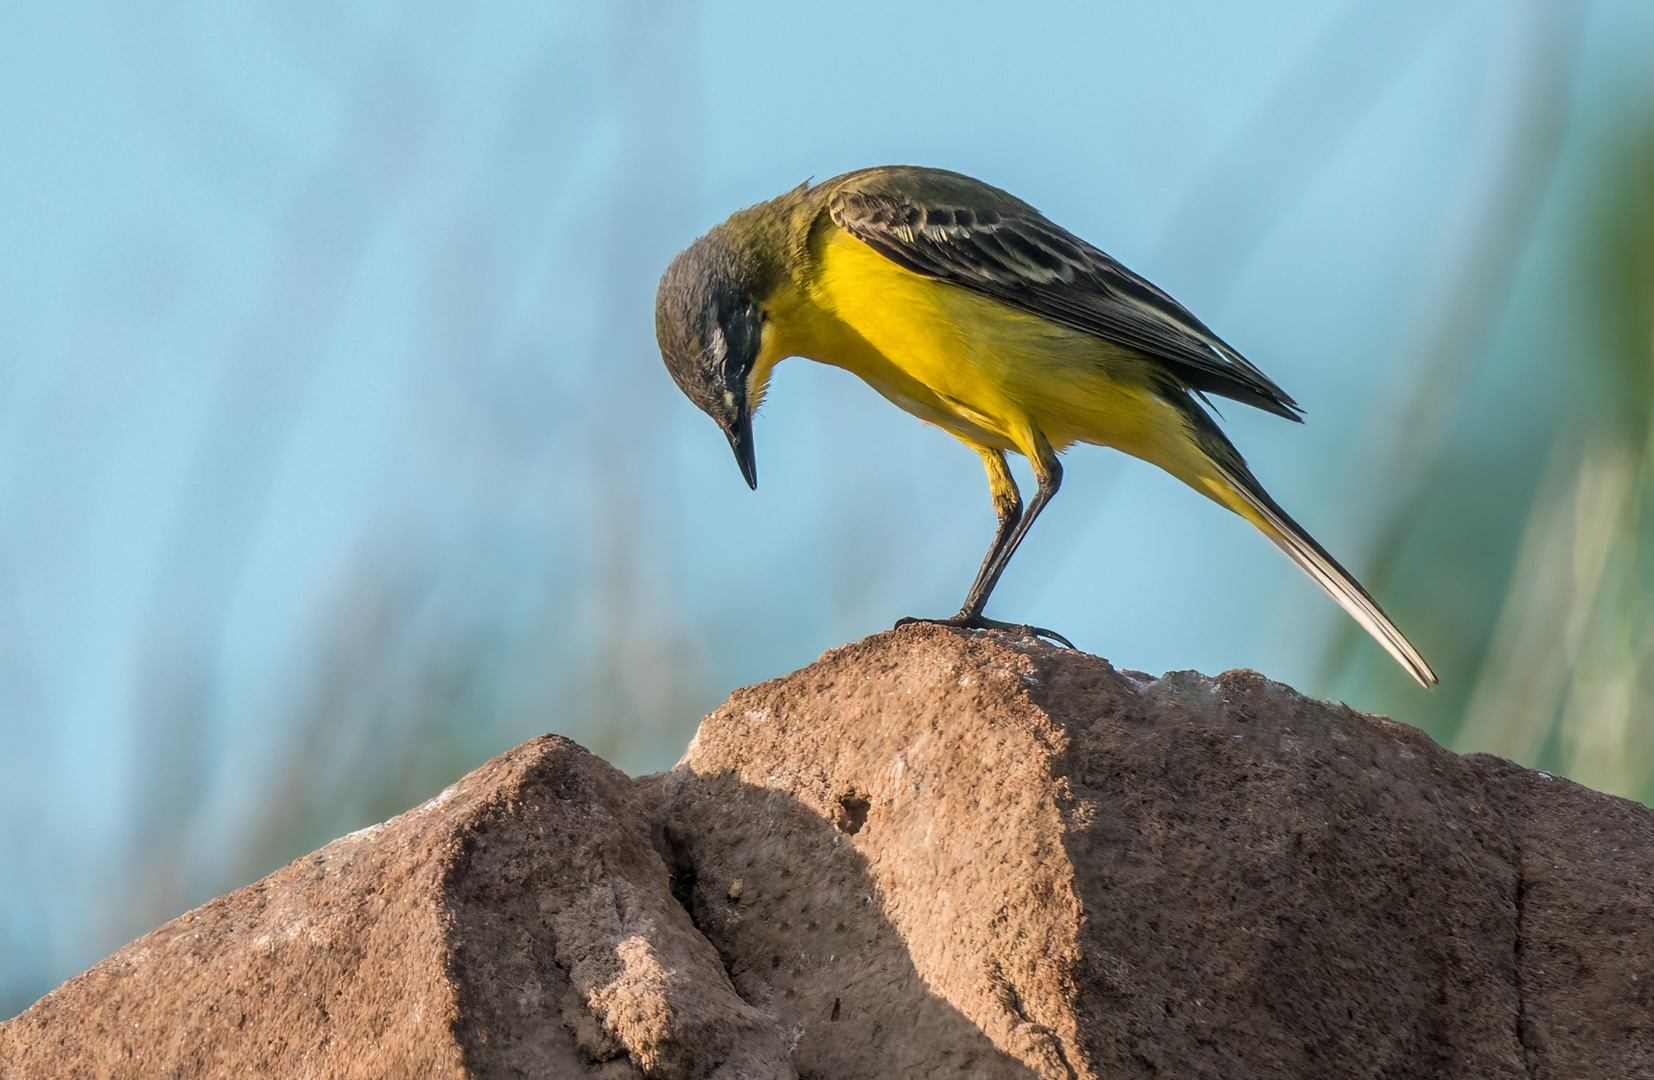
<point x="740" y="441"/>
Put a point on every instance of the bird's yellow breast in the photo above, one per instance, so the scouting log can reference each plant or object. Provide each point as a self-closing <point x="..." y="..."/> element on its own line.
<point x="993" y="375"/>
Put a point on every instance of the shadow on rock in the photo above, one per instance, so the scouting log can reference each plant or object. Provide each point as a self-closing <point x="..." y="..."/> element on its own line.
<point x="793" y="908"/>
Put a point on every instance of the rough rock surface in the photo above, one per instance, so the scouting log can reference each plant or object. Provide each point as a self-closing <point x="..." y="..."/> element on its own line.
<point x="519" y="924"/>
<point x="931" y="853"/>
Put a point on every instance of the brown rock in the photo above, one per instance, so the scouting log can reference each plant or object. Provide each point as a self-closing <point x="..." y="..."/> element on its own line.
<point x="944" y="841"/>
<point x="519" y="924"/>
<point x="931" y="853"/>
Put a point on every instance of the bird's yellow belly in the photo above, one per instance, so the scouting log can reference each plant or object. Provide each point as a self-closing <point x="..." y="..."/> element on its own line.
<point x="991" y="374"/>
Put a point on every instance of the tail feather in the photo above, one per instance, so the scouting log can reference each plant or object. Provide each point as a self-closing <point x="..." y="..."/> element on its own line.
<point x="1302" y="549"/>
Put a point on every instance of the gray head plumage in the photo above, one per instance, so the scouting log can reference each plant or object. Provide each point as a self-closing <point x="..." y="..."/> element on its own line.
<point x="710" y="329"/>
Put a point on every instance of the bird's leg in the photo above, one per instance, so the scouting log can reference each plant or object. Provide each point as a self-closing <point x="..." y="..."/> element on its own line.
<point x="1013" y="526"/>
<point x="1008" y="508"/>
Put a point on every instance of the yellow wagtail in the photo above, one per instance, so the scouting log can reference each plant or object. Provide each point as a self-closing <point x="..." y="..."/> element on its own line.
<point x="966" y="307"/>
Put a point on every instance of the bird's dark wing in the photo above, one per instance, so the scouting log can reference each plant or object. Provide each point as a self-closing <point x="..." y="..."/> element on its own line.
<point x="952" y="228"/>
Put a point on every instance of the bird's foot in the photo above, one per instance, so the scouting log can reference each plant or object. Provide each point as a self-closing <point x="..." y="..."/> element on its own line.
<point x="977" y="622"/>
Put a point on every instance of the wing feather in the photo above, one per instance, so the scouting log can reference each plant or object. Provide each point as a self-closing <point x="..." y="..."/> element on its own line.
<point x="952" y="228"/>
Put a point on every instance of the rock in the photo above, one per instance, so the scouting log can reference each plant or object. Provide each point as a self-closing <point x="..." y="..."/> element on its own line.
<point x="518" y="924"/>
<point x="942" y="841"/>
<point x="931" y="853"/>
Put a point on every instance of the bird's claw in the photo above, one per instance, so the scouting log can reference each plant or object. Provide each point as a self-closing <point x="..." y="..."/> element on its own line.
<point x="977" y="622"/>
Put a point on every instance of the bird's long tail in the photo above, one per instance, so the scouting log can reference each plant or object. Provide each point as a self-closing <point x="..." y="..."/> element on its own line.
<point x="1248" y="499"/>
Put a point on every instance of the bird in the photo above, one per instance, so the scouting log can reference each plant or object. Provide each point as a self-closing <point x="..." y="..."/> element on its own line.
<point x="969" y="309"/>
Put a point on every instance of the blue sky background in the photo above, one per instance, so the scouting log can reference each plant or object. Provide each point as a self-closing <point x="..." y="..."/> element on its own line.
<point x="336" y="455"/>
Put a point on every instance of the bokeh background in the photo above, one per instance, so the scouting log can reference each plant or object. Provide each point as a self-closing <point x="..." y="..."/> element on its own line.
<point x="336" y="455"/>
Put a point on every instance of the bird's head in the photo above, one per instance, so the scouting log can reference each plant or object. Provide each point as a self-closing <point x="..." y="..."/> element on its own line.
<point x="710" y="328"/>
